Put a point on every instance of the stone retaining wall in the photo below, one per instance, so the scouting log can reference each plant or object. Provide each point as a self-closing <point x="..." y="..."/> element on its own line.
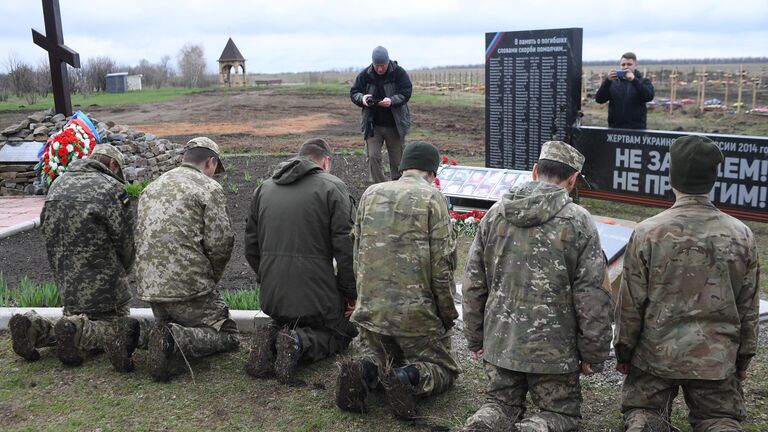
<point x="146" y="155"/>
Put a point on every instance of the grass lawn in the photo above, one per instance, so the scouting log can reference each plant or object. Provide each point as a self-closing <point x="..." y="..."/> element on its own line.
<point x="46" y="396"/>
<point x="148" y="95"/>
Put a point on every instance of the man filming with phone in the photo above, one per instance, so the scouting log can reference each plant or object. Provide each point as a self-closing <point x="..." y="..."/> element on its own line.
<point x="382" y="90"/>
<point x="626" y="92"/>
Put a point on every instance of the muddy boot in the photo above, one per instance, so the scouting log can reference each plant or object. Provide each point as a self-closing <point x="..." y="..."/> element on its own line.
<point x="355" y="380"/>
<point x="123" y="340"/>
<point x="478" y="427"/>
<point x="22" y="337"/>
<point x="160" y="351"/>
<point x="261" y="362"/>
<point x="288" y="348"/>
<point x="400" y="387"/>
<point x="66" y="343"/>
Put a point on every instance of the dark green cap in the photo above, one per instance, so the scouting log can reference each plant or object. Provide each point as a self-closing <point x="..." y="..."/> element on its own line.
<point x="420" y="155"/>
<point x="693" y="164"/>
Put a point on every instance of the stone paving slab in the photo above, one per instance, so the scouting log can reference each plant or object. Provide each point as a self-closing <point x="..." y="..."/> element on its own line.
<point x="19" y="214"/>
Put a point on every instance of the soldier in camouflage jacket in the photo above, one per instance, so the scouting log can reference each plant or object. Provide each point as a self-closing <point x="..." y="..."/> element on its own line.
<point x="534" y="308"/>
<point x="688" y="305"/>
<point x="184" y="240"/>
<point x="87" y="224"/>
<point x="404" y="262"/>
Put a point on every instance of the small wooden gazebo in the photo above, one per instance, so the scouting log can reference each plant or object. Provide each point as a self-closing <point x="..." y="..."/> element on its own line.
<point x="231" y="58"/>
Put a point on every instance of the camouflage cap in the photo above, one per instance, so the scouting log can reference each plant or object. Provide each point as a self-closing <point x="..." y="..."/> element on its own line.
<point x="559" y="151"/>
<point x="208" y="143"/>
<point x="110" y="151"/>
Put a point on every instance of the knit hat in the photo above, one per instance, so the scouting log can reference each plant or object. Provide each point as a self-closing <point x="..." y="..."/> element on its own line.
<point x="380" y="55"/>
<point x="693" y="164"/>
<point x="208" y="143"/>
<point x="110" y="151"/>
<point x="420" y="155"/>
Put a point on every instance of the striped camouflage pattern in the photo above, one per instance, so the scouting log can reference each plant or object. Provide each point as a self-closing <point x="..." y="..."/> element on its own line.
<point x="184" y="236"/>
<point x="87" y="224"/>
<point x="404" y="253"/>
<point x="688" y="302"/>
<point x="533" y="288"/>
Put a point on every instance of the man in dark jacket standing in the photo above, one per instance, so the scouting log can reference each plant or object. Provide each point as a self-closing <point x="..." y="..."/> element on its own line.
<point x="627" y="92"/>
<point x="299" y="223"/>
<point x="383" y="90"/>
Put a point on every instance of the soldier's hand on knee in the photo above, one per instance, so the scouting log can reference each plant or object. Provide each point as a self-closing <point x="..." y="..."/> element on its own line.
<point x="476" y="355"/>
<point x="586" y="368"/>
<point x="742" y="374"/>
<point x="623" y="368"/>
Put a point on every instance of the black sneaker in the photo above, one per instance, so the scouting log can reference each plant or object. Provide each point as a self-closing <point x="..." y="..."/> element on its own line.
<point x="261" y="362"/>
<point x="23" y="342"/>
<point x="160" y="350"/>
<point x="288" y="346"/>
<point x="66" y="346"/>
<point x="401" y="392"/>
<point x="352" y="384"/>
<point x="123" y="341"/>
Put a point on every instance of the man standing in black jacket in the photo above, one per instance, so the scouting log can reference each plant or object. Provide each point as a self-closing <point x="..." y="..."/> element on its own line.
<point x="298" y="224"/>
<point x="382" y="90"/>
<point x="627" y="92"/>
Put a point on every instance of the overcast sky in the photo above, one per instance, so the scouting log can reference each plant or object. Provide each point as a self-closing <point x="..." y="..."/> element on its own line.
<point x="304" y="35"/>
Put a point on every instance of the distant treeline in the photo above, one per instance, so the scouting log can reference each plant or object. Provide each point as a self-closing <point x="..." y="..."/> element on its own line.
<point x="645" y="62"/>
<point x="699" y="61"/>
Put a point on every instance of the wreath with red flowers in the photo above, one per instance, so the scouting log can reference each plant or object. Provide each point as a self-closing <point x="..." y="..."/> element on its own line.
<point x="74" y="142"/>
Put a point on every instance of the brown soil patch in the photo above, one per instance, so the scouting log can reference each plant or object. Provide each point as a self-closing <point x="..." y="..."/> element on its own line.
<point x="265" y="128"/>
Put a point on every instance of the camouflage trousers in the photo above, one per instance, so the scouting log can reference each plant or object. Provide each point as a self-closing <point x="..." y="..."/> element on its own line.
<point x="713" y="405"/>
<point x="200" y="326"/>
<point x="321" y="339"/>
<point x="558" y="397"/>
<point x="431" y="355"/>
<point x="93" y="329"/>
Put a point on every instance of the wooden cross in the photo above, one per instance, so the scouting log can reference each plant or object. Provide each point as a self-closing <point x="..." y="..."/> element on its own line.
<point x="58" y="55"/>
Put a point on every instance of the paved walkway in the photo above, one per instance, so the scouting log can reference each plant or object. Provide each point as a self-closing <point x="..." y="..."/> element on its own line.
<point x="19" y="214"/>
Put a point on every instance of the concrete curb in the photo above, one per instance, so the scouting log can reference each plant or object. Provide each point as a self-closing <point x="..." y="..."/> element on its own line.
<point x="21" y="227"/>
<point x="245" y="319"/>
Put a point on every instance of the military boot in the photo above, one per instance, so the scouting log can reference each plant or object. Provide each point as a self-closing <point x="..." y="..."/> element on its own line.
<point x="67" y="335"/>
<point x="261" y="362"/>
<point x="160" y="349"/>
<point x="123" y="340"/>
<point x="288" y="346"/>
<point x="400" y="387"/>
<point x="355" y="380"/>
<point x="22" y="337"/>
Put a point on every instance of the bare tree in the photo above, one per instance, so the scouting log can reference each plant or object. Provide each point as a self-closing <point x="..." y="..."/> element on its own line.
<point x="5" y="87"/>
<point x="78" y="81"/>
<point x="191" y="65"/>
<point x="165" y="71"/>
<point x="43" y="84"/>
<point x="22" y="79"/>
<point x="96" y="70"/>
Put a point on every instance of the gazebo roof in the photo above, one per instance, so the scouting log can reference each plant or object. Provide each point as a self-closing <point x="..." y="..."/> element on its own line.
<point x="231" y="53"/>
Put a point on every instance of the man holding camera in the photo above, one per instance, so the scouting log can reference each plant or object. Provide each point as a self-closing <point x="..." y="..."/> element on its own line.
<point x="627" y="92"/>
<point x="382" y="90"/>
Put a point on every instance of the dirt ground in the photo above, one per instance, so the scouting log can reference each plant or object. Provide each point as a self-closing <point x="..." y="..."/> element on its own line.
<point x="24" y="254"/>
<point x="280" y="119"/>
<point x="277" y="120"/>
